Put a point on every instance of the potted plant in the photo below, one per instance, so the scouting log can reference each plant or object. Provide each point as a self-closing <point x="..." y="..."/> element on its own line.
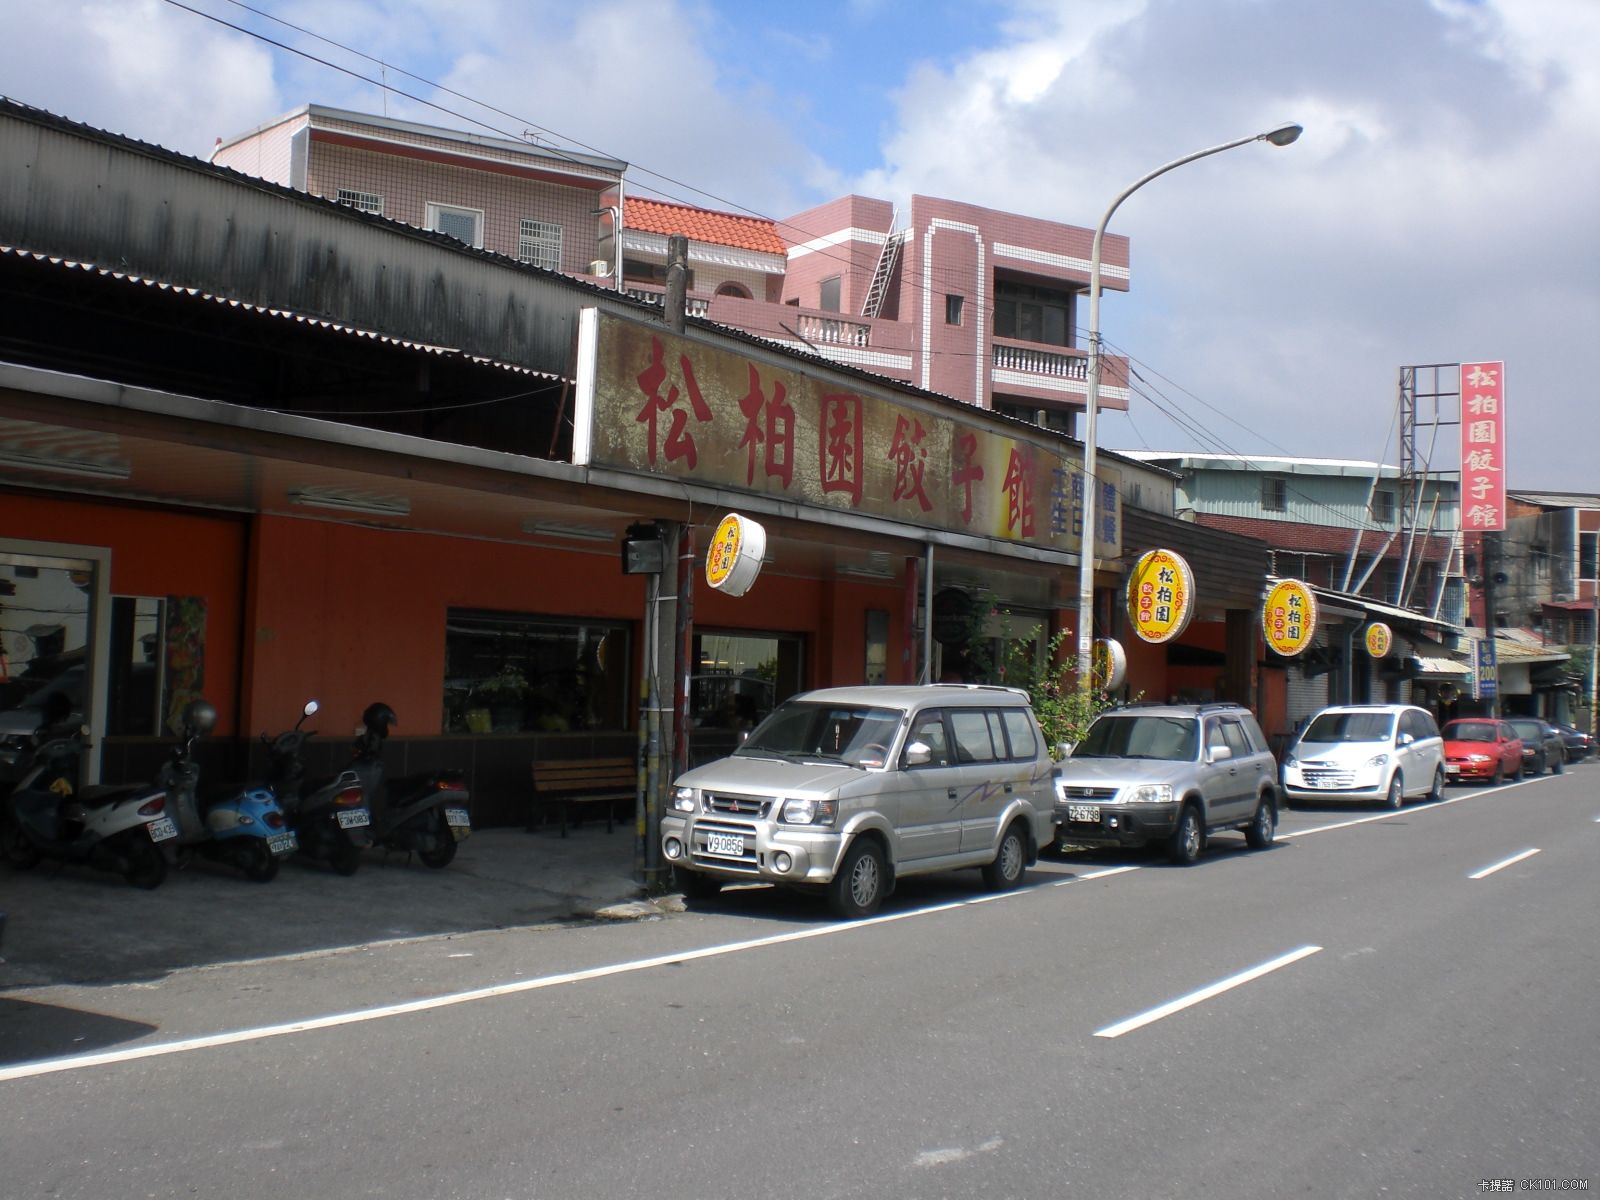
<point x="505" y="693"/>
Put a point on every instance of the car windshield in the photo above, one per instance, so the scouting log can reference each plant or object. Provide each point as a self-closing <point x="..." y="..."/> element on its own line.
<point x="857" y="734"/>
<point x="1350" y="727"/>
<point x="1173" y="739"/>
<point x="1470" y="731"/>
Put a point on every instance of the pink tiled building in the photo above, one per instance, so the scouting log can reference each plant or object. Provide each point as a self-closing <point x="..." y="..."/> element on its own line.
<point x="981" y="305"/>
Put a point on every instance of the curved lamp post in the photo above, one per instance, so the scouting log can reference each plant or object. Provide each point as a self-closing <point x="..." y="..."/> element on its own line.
<point x="1280" y="136"/>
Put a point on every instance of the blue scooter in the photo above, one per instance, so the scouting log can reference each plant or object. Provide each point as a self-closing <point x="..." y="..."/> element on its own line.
<point x="238" y="824"/>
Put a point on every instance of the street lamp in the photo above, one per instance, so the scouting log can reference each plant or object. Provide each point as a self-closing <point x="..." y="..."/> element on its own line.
<point x="1281" y="136"/>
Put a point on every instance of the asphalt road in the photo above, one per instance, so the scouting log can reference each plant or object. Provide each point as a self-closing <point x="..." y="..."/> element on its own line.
<point x="1397" y="1005"/>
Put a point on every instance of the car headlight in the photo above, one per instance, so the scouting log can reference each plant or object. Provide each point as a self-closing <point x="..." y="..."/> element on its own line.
<point x="1148" y="793"/>
<point x="807" y="812"/>
<point x="1378" y="760"/>
<point x="1291" y="761"/>
<point x="683" y="799"/>
<point x="1479" y="757"/>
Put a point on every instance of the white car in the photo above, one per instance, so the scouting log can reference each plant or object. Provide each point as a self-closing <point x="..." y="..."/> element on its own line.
<point x="1381" y="753"/>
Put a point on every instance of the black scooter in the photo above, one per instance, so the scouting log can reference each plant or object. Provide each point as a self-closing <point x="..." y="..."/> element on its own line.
<point x="329" y="817"/>
<point x="426" y="813"/>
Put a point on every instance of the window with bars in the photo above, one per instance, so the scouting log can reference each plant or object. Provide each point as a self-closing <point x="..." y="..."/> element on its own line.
<point x="463" y="224"/>
<point x="369" y="202"/>
<point x="1383" y="507"/>
<point x="539" y="244"/>
<point x="1274" y="493"/>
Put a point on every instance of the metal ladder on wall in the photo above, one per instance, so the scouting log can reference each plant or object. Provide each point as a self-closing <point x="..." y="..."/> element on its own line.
<point x="887" y="257"/>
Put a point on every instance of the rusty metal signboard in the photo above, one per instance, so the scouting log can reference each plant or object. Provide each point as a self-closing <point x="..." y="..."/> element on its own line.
<point x="663" y="405"/>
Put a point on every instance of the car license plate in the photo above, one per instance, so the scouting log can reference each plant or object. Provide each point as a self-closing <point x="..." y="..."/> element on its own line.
<point x="1318" y="781"/>
<point x="161" y="829"/>
<point x="1084" y="812"/>
<point x="1451" y="769"/>
<point x="283" y="843"/>
<point x="457" y="816"/>
<point x="354" y="818"/>
<point x="725" y="845"/>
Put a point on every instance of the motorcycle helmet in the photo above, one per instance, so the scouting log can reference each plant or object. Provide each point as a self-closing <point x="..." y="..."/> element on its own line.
<point x="377" y="718"/>
<point x="200" y="716"/>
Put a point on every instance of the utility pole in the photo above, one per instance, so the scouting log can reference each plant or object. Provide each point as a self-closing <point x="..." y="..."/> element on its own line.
<point x="1490" y="555"/>
<point x="677" y="281"/>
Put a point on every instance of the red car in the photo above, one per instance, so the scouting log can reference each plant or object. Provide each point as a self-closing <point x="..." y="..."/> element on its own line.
<point x="1481" y="748"/>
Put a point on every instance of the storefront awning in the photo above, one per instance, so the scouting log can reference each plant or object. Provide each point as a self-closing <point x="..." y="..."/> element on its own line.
<point x="1438" y="668"/>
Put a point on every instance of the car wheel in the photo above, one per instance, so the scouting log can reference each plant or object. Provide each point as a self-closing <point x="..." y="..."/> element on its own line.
<point x="857" y="889"/>
<point x="1264" y="827"/>
<point x="1010" y="861"/>
<point x="1183" y="847"/>
<point x="1436" y="792"/>
<point x="1499" y="776"/>
<point x="1559" y="763"/>
<point x="1395" y="799"/>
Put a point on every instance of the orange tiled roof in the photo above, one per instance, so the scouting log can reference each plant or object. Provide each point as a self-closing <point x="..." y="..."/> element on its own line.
<point x="703" y="225"/>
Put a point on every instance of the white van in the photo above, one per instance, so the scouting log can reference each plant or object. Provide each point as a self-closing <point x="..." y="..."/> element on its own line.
<point x="1381" y="753"/>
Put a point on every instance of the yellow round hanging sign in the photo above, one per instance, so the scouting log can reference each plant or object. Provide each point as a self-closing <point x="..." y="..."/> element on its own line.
<point x="1160" y="595"/>
<point x="733" y="560"/>
<point x="1380" y="640"/>
<point x="1108" y="664"/>
<point x="1289" y="617"/>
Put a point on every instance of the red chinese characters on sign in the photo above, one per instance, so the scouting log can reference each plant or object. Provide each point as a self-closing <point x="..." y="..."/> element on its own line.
<point x="910" y="457"/>
<point x="680" y="442"/>
<point x="1483" y="450"/>
<point x="965" y="472"/>
<point x="769" y="424"/>
<point x="1018" y="485"/>
<point x="839" y="445"/>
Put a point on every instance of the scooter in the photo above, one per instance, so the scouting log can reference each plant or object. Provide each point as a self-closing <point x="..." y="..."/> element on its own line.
<point x="116" y="828"/>
<point x="329" y="817"/>
<point x="236" y="824"/>
<point x="426" y="813"/>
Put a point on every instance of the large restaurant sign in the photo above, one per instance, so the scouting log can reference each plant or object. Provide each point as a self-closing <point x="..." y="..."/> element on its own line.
<point x="1160" y="595"/>
<point x="1289" y="617"/>
<point x="658" y="404"/>
<point x="1483" y="445"/>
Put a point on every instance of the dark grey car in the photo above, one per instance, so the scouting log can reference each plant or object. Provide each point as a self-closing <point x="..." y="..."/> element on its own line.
<point x="1542" y="746"/>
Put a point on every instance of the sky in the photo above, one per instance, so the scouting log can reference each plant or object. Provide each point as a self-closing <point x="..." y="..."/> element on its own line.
<point x="1442" y="205"/>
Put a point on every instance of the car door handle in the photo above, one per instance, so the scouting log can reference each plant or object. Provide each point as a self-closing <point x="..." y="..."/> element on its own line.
<point x="951" y="792"/>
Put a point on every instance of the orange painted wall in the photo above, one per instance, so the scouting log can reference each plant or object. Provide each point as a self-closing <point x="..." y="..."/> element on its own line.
<point x="389" y="594"/>
<point x="156" y="553"/>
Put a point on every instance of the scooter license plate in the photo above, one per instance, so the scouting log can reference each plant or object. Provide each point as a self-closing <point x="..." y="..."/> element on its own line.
<point x="161" y="829"/>
<point x="354" y="818"/>
<point x="283" y="843"/>
<point x="457" y="817"/>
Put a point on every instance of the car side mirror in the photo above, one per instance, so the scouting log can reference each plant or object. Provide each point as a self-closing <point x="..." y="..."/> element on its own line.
<point x="919" y="754"/>
<point x="1219" y="754"/>
<point x="1406" y="739"/>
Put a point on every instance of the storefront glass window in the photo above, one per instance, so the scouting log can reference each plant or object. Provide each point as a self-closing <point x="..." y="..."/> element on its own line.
<point x="516" y="673"/>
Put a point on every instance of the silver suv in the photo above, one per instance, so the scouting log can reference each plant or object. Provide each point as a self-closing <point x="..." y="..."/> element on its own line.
<point x="1173" y="773"/>
<point x="844" y="790"/>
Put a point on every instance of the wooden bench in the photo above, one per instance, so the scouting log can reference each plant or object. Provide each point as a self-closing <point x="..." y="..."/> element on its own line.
<point x="561" y="783"/>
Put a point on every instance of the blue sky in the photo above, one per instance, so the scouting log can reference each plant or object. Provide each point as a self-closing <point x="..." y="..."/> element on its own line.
<point x="1440" y="207"/>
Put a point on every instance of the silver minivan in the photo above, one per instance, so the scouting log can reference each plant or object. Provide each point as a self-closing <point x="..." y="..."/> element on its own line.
<point x="845" y="790"/>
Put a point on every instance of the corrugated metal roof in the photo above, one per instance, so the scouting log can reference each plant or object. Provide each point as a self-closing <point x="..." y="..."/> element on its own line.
<point x="284" y="314"/>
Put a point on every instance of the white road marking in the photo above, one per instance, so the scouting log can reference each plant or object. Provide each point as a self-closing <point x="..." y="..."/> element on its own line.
<point x="1401" y="812"/>
<point x="1106" y="874"/>
<point x="79" y="1062"/>
<point x="1206" y="993"/>
<point x="1500" y="866"/>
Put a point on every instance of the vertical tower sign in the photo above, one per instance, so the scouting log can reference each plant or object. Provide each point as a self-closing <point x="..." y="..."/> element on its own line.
<point x="1483" y="446"/>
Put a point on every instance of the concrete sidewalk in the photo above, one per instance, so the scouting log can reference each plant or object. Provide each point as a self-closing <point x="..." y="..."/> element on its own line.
<point x="69" y="924"/>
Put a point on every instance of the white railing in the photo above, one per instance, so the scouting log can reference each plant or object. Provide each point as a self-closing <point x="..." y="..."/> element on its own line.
<point x="695" y="306"/>
<point x="830" y="331"/>
<point x="1040" y="362"/>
